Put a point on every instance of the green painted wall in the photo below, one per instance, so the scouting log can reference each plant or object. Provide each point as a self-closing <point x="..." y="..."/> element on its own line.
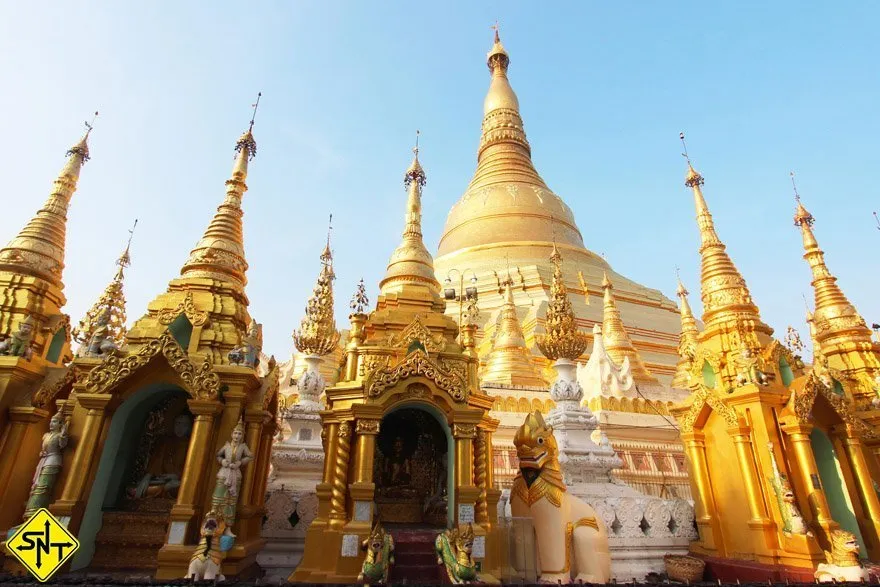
<point x="181" y="329"/>
<point x="54" y="352"/>
<point x="835" y="488"/>
<point x="708" y="375"/>
<point x="785" y="372"/>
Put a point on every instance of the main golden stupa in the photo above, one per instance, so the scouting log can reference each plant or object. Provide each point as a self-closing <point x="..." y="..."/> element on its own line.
<point x="507" y="221"/>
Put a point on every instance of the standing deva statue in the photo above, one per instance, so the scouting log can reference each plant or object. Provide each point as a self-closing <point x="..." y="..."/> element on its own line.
<point x="19" y="344"/>
<point x="570" y="537"/>
<point x="234" y="455"/>
<point x="49" y="465"/>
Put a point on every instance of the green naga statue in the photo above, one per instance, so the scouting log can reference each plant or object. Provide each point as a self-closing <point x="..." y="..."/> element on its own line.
<point x="793" y="521"/>
<point x="454" y="549"/>
<point x="379" y="559"/>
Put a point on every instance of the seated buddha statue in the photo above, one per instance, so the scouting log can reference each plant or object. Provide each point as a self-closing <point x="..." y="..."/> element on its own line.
<point x="162" y="479"/>
<point x="398" y="466"/>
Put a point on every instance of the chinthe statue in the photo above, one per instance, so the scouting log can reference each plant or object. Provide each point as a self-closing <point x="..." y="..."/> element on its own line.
<point x="234" y="455"/>
<point x="48" y="467"/>
<point x="215" y="541"/>
<point x="19" y="344"/>
<point x="570" y="537"/>
<point x="793" y="521"/>
<point x="454" y="548"/>
<point x="843" y="560"/>
<point x="248" y="354"/>
<point x="379" y="559"/>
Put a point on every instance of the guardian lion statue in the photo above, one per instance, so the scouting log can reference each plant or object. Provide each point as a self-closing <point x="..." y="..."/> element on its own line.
<point x="843" y="560"/>
<point x="454" y="549"/>
<point x="571" y="539"/>
<point x="216" y="540"/>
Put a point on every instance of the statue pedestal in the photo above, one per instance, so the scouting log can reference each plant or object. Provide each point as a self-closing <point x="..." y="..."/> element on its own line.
<point x="641" y="528"/>
<point x="291" y="502"/>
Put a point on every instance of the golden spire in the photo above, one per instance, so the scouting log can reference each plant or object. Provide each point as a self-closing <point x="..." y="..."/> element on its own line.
<point x="563" y="339"/>
<point x="504" y="154"/>
<point x="510" y="361"/>
<point x="317" y="334"/>
<point x="411" y="263"/>
<point x="220" y="252"/>
<point x="687" y="341"/>
<point x="617" y="341"/>
<point x="725" y="295"/>
<point x="835" y="317"/>
<point x="109" y="310"/>
<point x="38" y="249"/>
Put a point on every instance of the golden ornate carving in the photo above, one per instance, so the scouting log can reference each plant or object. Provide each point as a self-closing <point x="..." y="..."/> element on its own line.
<point x="339" y="488"/>
<point x="688" y="340"/>
<point x="702" y="396"/>
<point x="317" y="334"/>
<point x="464" y="430"/>
<point x="46" y="393"/>
<point x="201" y="382"/>
<point x="481" y="458"/>
<point x="186" y="307"/>
<point x="563" y="339"/>
<point x="415" y="364"/>
<point x="417" y="331"/>
<point x="367" y="426"/>
<point x="270" y="385"/>
<point x="370" y="364"/>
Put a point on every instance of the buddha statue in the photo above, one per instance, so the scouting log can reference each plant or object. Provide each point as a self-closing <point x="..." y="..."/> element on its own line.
<point x="162" y="479"/>
<point x="398" y="466"/>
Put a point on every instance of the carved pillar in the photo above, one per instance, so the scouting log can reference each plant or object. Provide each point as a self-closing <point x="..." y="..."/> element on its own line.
<point x="330" y="441"/>
<point x="367" y="430"/>
<point x="86" y="445"/>
<point x="264" y="456"/>
<point x="704" y="502"/>
<point x="763" y="528"/>
<point x="23" y="421"/>
<point x="198" y="456"/>
<point x="339" y="487"/>
<point x="865" y="485"/>
<point x="799" y="441"/>
<point x="481" y="477"/>
<point x="466" y="493"/>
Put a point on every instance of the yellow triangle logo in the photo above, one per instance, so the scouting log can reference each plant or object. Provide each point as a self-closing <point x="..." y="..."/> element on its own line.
<point x="42" y="545"/>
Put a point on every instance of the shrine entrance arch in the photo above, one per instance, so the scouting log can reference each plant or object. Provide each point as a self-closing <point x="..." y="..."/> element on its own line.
<point x="414" y="466"/>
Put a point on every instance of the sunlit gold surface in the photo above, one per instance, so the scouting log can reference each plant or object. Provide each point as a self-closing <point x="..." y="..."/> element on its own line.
<point x="615" y="338"/>
<point x="317" y="334"/>
<point x="510" y="361"/>
<point x="687" y="342"/>
<point x="563" y="339"/>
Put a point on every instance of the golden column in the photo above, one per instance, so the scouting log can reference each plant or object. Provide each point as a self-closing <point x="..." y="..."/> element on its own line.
<point x="799" y="436"/>
<point x="339" y="483"/>
<point x="254" y="420"/>
<point x="466" y="492"/>
<point x="23" y="420"/>
<point x="363" y="488"/>
<point x="481" y="477"/>
<point x="198" y="453"/>
<point x="706" y="516"/>
<point x="330" y="440"/>
<point x="867" y="493"/>
<point x="759" y="523"/>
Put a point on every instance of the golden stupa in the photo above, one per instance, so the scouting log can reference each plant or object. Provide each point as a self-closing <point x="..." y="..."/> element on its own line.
<point x="509" y="218"/>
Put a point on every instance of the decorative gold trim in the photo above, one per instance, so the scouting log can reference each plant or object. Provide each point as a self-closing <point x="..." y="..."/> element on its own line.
<point x="464" y="430"/>
<point x="187" y="307"/>
<point x="48" y="391"/>
<point x="201" y="382"/>
<point x="415" y="364"/>
<point x="588" y="522"/>
<point x="418" y="331"/>
<point x="367" y="427"/>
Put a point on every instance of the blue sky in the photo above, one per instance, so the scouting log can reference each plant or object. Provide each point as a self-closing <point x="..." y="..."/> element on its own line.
<point x="760" y="89"/>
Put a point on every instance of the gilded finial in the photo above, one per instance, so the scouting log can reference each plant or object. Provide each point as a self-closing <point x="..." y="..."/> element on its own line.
<point x="496" y="28"/>
<point x="326" y="256"/>
<point x="563" y="339"/>
<point x="801" y="215"/>
<point x="124" y="259"/>
<point x="82" y="147"/>
<point x="246" y="141"/>
<point x="359" y="300"/>
<point x="497" y="56"/>
<point x="415" y="173"/>
<point x="877" y="220"/>
<point x="682" y="291"/>
<point x="693" y="178"/>
<point x="317" y="334"/>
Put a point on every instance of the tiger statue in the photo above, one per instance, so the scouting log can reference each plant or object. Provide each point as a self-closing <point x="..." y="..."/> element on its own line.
<point x="843" y="560"/>
<point x="571" y="539"/>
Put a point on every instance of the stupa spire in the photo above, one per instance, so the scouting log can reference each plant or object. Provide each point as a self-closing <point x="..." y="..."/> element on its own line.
<point x="562" y="340"/>
<point x="687" y="340"/>
<point x="317" y="334"/>
<point x="108" y="311"/>
<point x="411" y="263"/>
<point x="38" y="250"/>
<point x="510" y="361"/>
<point x="725" y="295"/>
<point x="835" y="317"/>
<point x="504" y="154"/>
<point x="220" y="252"/>
<point x="617" y="341"/>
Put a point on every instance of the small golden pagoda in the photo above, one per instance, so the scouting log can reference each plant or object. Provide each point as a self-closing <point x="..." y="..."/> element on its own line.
<point x="616" y="340"/>
<point x="145" y="422"/>
<point x="35" y="333"/>
<point x="802" y="470"/>
<point x="687" y="342"/>
<point x="406" y="403"/>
